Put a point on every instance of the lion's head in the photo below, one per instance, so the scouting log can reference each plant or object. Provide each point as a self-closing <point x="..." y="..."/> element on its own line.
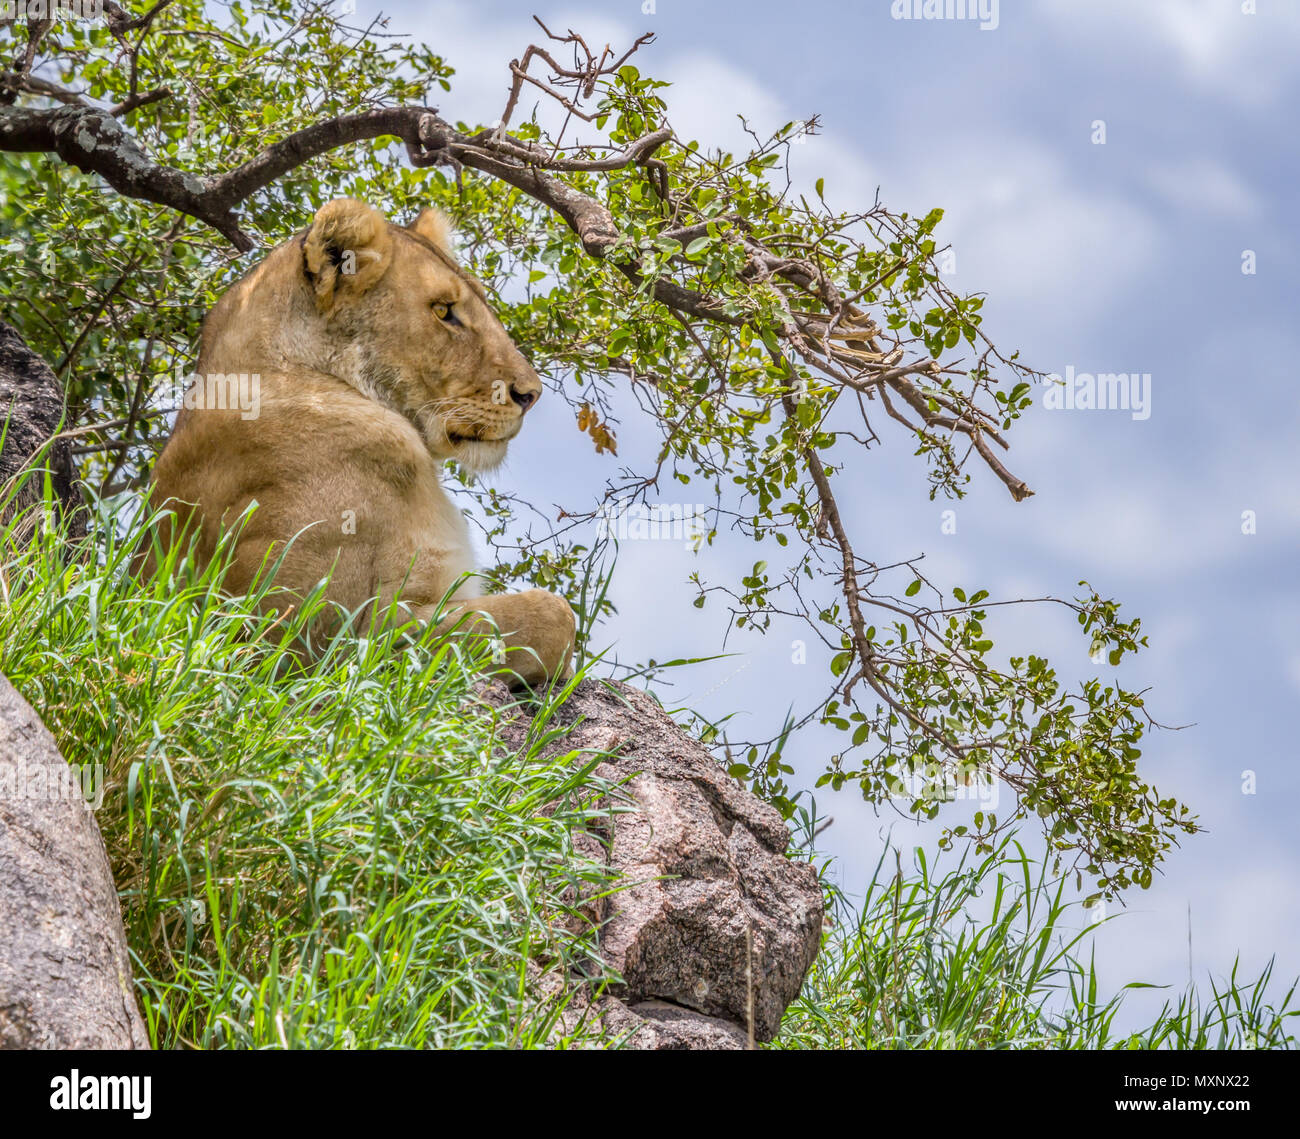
<point x="388" y="310"/>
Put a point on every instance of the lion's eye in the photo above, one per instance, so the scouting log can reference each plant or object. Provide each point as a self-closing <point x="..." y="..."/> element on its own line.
<point x="443" y="311"/>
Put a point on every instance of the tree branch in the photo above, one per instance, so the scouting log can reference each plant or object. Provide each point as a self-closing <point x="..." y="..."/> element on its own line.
<point x="840" y="342"/>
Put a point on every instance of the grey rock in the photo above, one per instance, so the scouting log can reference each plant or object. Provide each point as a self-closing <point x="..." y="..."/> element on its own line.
<point x="713" y="918"/>
<point x="585" y="1020"/>
<point x="65" y="975"/>
<point x="656" y="1026"/>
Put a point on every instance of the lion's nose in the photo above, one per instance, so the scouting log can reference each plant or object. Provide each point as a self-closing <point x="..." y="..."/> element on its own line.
<point x="524" y="397"/>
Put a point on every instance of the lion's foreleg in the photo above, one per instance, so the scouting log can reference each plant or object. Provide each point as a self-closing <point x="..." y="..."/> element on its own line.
<point x="536" y="627"/>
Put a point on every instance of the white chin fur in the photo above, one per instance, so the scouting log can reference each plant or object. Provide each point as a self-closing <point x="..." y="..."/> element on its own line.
<point x="480" y="455"/>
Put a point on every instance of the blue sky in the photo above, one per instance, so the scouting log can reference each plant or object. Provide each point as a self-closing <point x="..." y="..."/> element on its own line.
<point x="1122" y="257"/>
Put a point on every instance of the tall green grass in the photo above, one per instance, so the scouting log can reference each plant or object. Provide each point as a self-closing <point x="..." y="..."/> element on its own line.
<point x="990" y="953"/>
<point x="335" y="854"/>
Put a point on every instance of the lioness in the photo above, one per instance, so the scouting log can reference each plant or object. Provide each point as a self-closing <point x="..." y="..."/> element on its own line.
<point x="377" y="358"/>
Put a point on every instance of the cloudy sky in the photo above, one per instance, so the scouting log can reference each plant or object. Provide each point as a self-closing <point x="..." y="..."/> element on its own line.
<point x="1120" y="257"/>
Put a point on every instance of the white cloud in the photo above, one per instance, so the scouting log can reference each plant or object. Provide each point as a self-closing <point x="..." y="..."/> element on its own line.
<point x="1024" y="226"/>
<point x="1144" y="533"/>
<point x="1201" y="185"/>
<point x="1062" y="247"/>
<point x="480" y="50"/>
<point x="1212" y="44"/>
<point x="707" y="96"/>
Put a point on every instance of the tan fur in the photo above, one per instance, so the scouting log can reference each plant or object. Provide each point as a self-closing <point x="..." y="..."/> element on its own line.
<point x="364" y="391"/>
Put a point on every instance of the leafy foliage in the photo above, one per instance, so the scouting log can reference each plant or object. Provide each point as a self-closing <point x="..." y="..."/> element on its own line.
<point x="764" y="334"/>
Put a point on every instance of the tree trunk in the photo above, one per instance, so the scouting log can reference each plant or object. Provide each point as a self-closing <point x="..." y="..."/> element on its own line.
<point x="31" y="412"/>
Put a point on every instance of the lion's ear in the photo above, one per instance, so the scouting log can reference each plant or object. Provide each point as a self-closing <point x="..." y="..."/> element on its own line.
<point x="347" y="249"/>
<point x="433" y="226"/>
